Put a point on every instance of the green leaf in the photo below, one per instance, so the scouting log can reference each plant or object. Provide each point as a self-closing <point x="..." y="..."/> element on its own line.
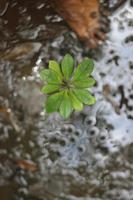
<point x="91" y="100"/>
<point x="66" y="106"/>
<point x="85" y="68"/>
<point x="55" y="66"/>
<point x="53" y="77"/>
<point x="44" y="73"/>
<point x="84" y="96"/>
<point x="50" y="88"/>
<point x="67" y="65"/>
<point x="53" y="102"/>
<point x="67" y="89"/>
<point x="77" y="105"/>
<point x="84" y="83"/>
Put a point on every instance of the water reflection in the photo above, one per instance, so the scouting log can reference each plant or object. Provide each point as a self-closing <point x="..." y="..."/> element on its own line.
<point x="90" y="157"/>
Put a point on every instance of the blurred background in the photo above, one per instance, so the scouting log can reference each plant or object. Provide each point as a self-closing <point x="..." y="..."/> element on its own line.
<point x="88" y="157"/>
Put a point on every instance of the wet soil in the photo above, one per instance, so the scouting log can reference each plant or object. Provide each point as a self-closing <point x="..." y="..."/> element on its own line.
<point x="88" y="157"/>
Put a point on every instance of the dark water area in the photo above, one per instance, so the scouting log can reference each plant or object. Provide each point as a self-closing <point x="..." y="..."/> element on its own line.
<point x="89" y="156"/>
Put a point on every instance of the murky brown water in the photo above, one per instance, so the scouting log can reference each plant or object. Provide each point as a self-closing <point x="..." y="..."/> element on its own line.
<point x="88" y="157"/>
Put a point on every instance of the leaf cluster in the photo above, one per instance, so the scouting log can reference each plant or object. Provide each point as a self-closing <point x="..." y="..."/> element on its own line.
<point x="66" y="86"/>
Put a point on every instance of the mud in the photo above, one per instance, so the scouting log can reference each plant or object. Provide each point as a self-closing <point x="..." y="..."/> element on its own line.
<point x="86" y="157"/>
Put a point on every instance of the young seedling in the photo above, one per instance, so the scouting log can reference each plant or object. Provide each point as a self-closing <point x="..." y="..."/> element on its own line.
<point x="66" y="86"/>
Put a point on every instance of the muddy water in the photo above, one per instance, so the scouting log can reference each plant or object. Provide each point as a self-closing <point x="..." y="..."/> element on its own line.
<point x="90" y="155"/>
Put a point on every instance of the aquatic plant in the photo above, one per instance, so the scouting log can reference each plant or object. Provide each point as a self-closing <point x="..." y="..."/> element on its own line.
<point x="66" y="86"/>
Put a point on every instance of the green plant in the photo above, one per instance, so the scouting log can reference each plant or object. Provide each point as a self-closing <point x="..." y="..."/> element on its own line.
<point x="67" y="86"/>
